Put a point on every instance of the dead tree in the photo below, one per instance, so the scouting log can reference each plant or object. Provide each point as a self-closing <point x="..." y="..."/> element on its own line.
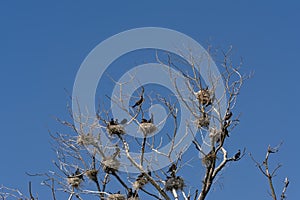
<point x="270" y="174"/>
<point x="86" y="165"/>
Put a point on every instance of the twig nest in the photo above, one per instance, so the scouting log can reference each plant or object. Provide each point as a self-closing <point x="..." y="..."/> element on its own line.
<point x="116" y="197"/>
<point x="140" y="181"/>
<point x="85" y="139"/>
<point x="204" y="97"/>
<point x="110" y="165"/>
<point x="208" y="159"/>
<point x="176" y="183"/>
<point x="74" y="181"/>
<point x="147" y="128"/>
<point x="92" y="174"/>
<point x="203" y="121"/>
<point x="115" y="129"/>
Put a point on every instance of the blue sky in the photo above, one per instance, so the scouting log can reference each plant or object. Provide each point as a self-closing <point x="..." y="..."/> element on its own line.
<point x="43" y="44"/>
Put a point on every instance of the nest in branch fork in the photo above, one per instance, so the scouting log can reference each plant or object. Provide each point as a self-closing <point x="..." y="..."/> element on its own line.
<point x="85" y="139"/>
<point x="147" y="128"/>
<point x="203" y="121"/>
<point x="116" y="197"/>
<point x="204" y="96"/>
<point x="176" y="183"/>
<point x="92" y="174"/>
<point x="110" y="165"/>
<point x="115" y="129"/>
<point x="74" y="181"/>
<point x="208" y="159"/>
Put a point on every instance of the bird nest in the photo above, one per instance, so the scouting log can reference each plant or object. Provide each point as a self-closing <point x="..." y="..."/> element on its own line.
<point x="110" y="165"/>
<point x="147" y="128"/>
<point x="92" y="174"/>
<point x="176" y="183"/>
<point x="74" y="181"/>
<point x="204" y="97"/>
<point x="115" y="130"/>
<point x="116" y="197"/>
<point x="203" y="121"/>
<point x="208" y="159"/>
<point x="85" y="139"/>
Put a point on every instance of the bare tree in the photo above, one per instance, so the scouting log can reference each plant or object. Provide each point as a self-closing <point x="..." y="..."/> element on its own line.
<point x="96" y="158"/>
<point x="270" y="174"/>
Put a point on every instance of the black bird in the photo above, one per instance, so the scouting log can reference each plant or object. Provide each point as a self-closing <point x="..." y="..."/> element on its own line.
<point x="78" y="174"/>
<point x="237" y="155"/>
<point x="151" y="119"/>
<point x="144" y="121"/>
<point x="113" y="122"/>
<point x="132" y="194"/>
<point x="224" y="129"/>
<point x="139" y="102"/>
<point x="228" y="115"/>
<point x="172" y="170"/>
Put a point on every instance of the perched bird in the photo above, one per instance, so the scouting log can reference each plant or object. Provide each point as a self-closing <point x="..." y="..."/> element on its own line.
<point x="144" y="121"/>
<point x="228" y="115"/>
<point x="132" y="195"/>
<point x="172" y="170"/>
<point x="224" y="128"/>
<point x="139" y="102"/>
<point x="113" y="122"/>
<point x="79" y="174"/>
<point x="237" y="155"/>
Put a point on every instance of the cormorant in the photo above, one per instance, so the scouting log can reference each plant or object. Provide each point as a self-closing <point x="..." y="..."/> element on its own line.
<point x="139" y="102"/>
<point x="237" y="155"/>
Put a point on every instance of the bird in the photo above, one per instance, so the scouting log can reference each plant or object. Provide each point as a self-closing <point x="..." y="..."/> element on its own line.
<point x="237" y="155"/>
<point x="139" y="102"/>
<point x="224" y="129"/>
<point x="172" y="170"/>
<point x="113" y="122"/>
<point x="78" y="174"/>
<point x="228" y="115"/>
<point x="151" y="119"/>
<point x="132" y="194"/>
<point x="144" y="121"/>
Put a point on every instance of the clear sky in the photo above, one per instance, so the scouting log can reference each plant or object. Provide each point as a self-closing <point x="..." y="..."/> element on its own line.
<point x="42" y="45"/>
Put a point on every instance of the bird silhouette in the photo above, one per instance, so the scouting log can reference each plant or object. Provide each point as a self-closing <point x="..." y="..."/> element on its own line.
<point x="228" y="115"/>
<point x="224" y="128"/>
<point x="237" y="155"/>
<point x="139" y="102"/>
<point x="113" y="122"/>
<point x="172" y="170"/>
<point x="78" y="174"/>
<point x="144" y="121"/>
